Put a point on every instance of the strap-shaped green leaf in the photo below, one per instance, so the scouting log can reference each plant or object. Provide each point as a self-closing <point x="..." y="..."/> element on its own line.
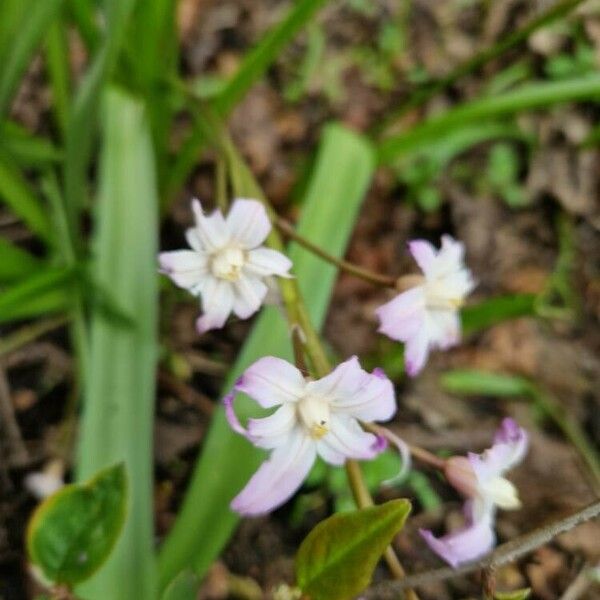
<point x="337" y="559"/>
<point x="344" y="169"/>
<point x="72" y="533"/>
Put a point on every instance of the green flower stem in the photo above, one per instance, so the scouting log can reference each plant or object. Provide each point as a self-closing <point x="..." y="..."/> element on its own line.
<point x="288" y="230"/>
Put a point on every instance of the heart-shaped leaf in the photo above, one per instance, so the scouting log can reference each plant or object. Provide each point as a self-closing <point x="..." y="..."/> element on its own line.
<point x="338" y="557"/>
<point x="72" y="533"/>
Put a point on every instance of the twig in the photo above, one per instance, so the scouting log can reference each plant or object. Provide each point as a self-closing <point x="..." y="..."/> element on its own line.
<point x="17" y="453"/>
<point x="29" y="333"/>
<point x="580" y="584"/>
<point x="375" y="278"/>
<point x="504" y="554"/>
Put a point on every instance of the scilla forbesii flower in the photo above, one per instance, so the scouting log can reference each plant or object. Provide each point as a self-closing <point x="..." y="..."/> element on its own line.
<point x="426" y="316"/>
<point x="480" y="478"/>
<point x="313" y="418"/>
<point x="227" y="265"/>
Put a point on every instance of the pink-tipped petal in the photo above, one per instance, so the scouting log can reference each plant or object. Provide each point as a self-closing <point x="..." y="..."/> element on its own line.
<point x="211" y="230"/>
<point x="272" y="431"/>
<point x="217" y="304"/>
<point x="372" y="398"/>
<point x="345" y="379"/>
<point x="416" y="352"/>
<point x="278" y="477"/>
<point x="185" y="268"/>
<point x="424" y="254"/>
<point x="272" y="381"/>
<point x="264" y="262"/>
<point x="250" y="293"/>
<point x="443" y="328"/>
<point x="232" y="418"/>
<point x="509" y="448"/>
<point x="403" y="316"/>
<point x="471" y="542"/>
<point x="248" y="223"/>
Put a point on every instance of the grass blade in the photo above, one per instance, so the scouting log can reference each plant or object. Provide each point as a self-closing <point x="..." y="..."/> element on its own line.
<point x="119" y="390"/>
<point x="21" y="199"/>
<point x="530" y="96"/>
<point x="344" y="169"/>
<point x="25" y="149"/>
<point x="16" y="263"/>
<point x="25" y="40"/>
<point x="57" y="59"/>
<point x="495" y="310"/>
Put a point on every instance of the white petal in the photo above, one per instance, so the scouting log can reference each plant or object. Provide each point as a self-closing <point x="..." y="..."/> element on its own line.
<point x="346" y="437"/>
<point x="416" y="352"/>
<point x="403" y="316"/>
<point x="264" y="261"/>
<point x="217" y="304"/>
<point x="249" y="295"/>
<point x="211" y="230"/>
<point x="330" y="454"/>
<point x="186" y="268"/>
<point x="353" y="391"/>
<point x="272" y="381"/>
<point x="273" y="431"/>
<point x="443" y="328"/>
<point x="424" y="254"/>
<point x="278" y="477"/>
<point x="449" y="258"/>
<point x="248" y="223"/>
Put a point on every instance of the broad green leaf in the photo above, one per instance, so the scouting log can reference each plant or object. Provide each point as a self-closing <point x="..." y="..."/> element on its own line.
<point x="18" y="195"/>
<point x="25" y="38"/>
<point x="344" y="168"/>
<point x="495" y="310"/>
<point x="472" y="382"/>
<point x="119" y="389"/>
<point x="533" y="95"/>
<point x="183" y="587"/>
<point x="41" y="293"/>
<point x="253" y="67"/>
<point x="337" y="559"/>
<point x="72" y="532"/>
<point x="16" y="263"/>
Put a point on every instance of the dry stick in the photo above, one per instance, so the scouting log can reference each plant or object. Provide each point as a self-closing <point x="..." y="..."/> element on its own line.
<point x="383" y="280"/>
<point x="420" y="96"/>
<point x="17" y="453"/>
<point x="504" y="554"/>
<point x="580" y="584"/>
<point x="29" y="333"/>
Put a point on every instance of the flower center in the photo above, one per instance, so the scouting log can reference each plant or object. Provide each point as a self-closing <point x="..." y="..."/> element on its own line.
<point x="314" y="415"/>
<point x="227" y="263"/>
<point x="438" y="296"/>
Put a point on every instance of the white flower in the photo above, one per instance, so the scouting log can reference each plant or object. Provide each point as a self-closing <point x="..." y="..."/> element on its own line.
<point x="427" y="316"/>
<point x="227" y="265"/>
<point x="314" y="418"/>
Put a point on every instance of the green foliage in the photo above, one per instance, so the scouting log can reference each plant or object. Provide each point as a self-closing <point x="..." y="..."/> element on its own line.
<point x="21" y="41"/>
<point x="503" y="175"/>
<point x="495" y="310"/>
<point x="516" y="595"/>
<point x="473" y="382"/>
<point x="72" y="533"/>
<point x="344" y="168"/>
<point x="16" y="263"/>
<point x="337" y="559"/>
<point x="119" y="388"/>
<point x="183" y="587"/>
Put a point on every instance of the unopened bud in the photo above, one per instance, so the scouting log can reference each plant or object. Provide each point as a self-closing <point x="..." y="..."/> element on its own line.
<point x="461" y="476"/>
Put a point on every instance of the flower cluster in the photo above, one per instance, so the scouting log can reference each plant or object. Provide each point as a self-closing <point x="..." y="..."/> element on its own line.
<point x="480" y="478"/>
<point x="230" y="270"/>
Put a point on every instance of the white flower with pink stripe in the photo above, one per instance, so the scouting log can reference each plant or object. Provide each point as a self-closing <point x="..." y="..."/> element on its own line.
<point x="227" y="265"/>
<point x="426" y="316"/>
<point x="312" y="418"/>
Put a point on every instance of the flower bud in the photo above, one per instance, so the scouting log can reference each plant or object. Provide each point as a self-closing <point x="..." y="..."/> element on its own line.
<point x="461" y="476"/>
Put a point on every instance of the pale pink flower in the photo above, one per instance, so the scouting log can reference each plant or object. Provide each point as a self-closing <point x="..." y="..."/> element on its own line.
<point x="427" y="316"/>
<point x="480" y="477"/>
<point x="227" y="266"/>
<point x="313" y="418"/>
